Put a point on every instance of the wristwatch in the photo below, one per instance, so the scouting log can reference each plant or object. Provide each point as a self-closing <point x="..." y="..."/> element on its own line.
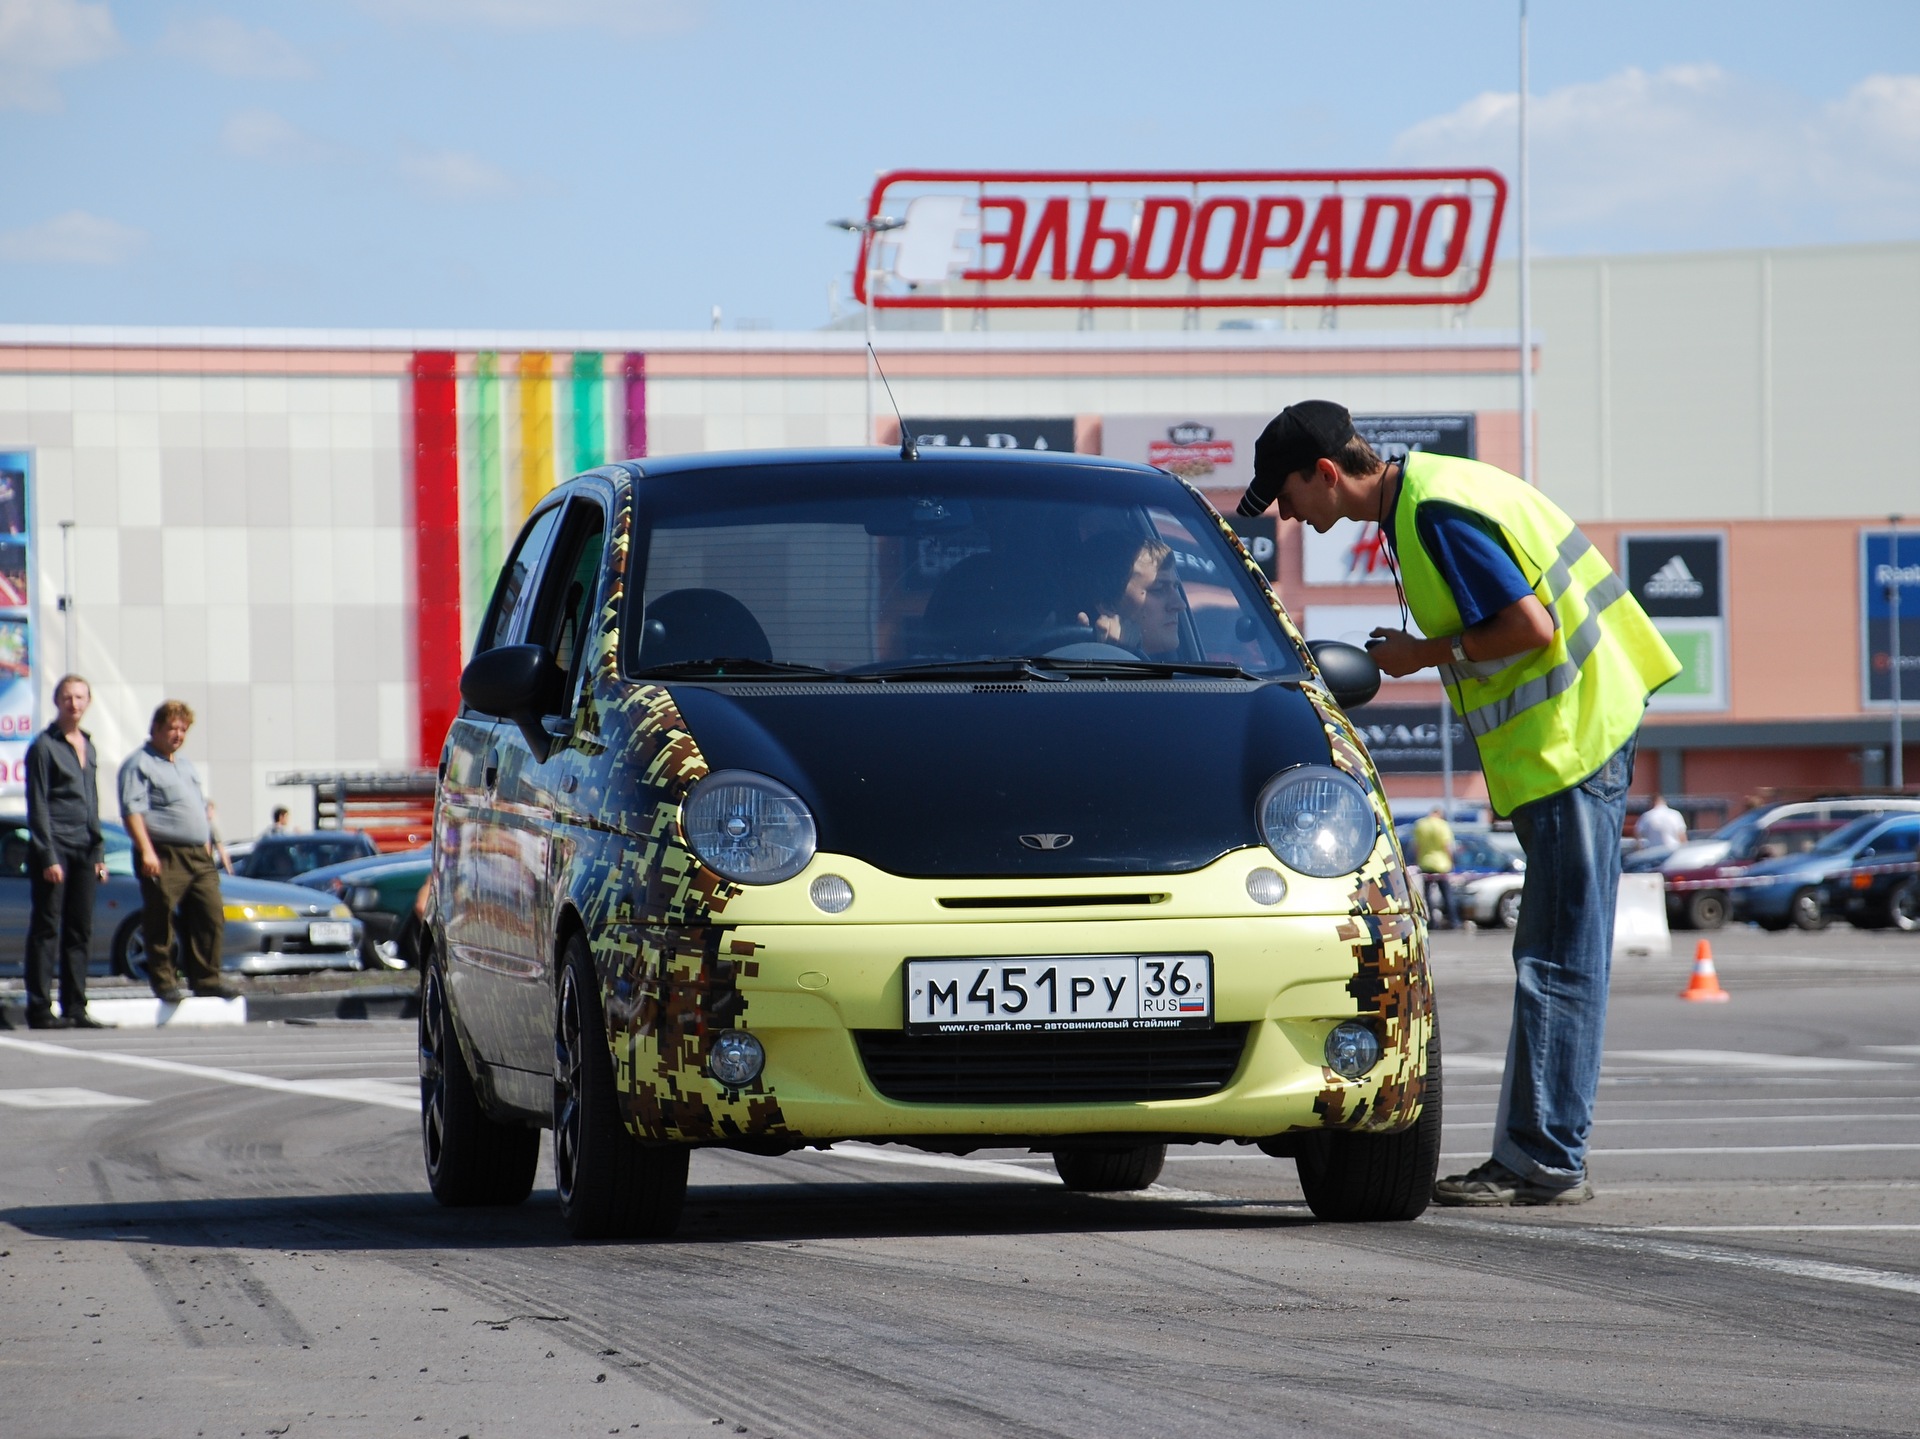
<point x="1459" y="650"/>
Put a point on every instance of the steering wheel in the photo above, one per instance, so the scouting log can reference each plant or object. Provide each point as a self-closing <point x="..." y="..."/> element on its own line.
<point x="1043" y="641"/>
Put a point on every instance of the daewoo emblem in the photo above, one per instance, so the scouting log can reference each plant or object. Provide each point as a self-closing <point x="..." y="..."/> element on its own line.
<point x="1046" y="841"/>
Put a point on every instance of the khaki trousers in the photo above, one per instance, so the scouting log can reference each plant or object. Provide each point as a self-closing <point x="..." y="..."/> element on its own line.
<point x="190" y="885"/>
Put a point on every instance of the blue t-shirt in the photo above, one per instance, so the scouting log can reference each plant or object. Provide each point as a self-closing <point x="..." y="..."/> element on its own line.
<point x="1471" y="555"/>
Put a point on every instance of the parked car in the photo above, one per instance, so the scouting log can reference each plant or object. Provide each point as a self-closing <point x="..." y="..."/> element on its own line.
<point x="270" y="928"/>
<point x="380" y="891"/>
<point x="1787" y="890"/>
<point x="286" y="856"/>
<point x="1879" y="891"/>
<point x="793" y="800"/>
<point x="1488" y="868"/>
<point x="1700" y="873"/>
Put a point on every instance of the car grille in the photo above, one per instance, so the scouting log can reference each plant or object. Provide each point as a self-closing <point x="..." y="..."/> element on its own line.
<point x="1110" y="1066"/>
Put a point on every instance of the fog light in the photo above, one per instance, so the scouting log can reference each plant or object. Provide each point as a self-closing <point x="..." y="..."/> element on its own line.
<point x="1265" y="886"/>
<point x="1352" y="1049"/>
<point x="736" y="1059"/>
<point x="831" y="893"/>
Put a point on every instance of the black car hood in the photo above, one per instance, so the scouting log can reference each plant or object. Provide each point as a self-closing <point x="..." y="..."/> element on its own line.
<point x="942" y="780"/>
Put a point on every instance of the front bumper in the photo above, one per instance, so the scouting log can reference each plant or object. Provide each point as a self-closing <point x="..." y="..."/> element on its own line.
<point x="809" y="986"/>
<point x="283" y="946"/>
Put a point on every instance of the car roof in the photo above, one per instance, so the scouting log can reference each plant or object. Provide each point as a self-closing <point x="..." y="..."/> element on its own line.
<point x="873" y="457"/>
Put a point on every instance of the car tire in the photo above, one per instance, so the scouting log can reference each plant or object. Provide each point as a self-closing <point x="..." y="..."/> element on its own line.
<point x="1506" y="909"/>
<point x="1806" y="911"/>
<point x="1102" y="1171"/>
<point x="130" y="950"/>
<point x="471" y="1158"/>
<point x="1370" y="1178"/>
<point x="611" y="1185"/>
<point x="1706" y="909"/>
<point x="1903" y="906"/>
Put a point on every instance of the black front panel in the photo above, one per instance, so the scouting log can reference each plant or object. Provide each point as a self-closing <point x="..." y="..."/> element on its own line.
<point x="1074" y="1067"/>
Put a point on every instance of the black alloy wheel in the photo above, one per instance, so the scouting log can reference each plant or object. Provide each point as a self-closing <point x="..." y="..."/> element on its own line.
<point x="1706" y="909"/>
<point x="611" y="1185"/>
<point x="1105" y="1171"/>
<point x="1903" y="906"/>
<point x="471" y="1158"/>
<point x="130" y="949"/>
<point x="1367" y="1178"/>
<point x="1806" y="911"/>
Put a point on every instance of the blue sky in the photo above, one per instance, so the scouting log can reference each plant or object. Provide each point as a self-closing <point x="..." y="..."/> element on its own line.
<point x="632" y="163"/>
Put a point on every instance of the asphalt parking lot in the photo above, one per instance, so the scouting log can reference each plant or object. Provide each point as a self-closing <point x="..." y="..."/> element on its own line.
<point x="227" y="1233"/>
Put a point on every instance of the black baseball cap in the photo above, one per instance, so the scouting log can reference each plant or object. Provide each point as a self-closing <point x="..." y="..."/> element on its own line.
<point x="1299" y="436"/>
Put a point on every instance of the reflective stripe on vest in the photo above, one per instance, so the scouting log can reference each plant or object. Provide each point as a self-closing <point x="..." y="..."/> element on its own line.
<point x="1544" y="719"/>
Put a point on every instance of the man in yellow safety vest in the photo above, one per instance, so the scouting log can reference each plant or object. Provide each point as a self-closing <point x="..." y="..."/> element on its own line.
<point x="1549" y="661"/>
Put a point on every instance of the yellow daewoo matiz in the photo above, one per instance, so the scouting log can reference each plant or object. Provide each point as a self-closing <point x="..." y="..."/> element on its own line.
<point x="953" y="800"/>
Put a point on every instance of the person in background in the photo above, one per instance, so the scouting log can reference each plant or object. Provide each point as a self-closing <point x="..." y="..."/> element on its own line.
<point x="1433" y="852"/>
<point x="166" y="811"/>
<point x="66" y="859"/>
<point x="1662" y="824"/>
<point x="282" y="824"/>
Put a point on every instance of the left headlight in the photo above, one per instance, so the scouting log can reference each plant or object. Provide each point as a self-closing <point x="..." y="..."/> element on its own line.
<point x="747" y="827"/>
<point x="1317" y="821"/>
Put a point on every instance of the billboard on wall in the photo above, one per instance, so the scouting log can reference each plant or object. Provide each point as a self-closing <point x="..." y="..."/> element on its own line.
<point x="17" y="689"/>
<point x="994" y="434"/>
<point x="1881" y="569"/>
<point x="1405" y="739"/>
<point x="1138" y="239"/>
<point x="1210" y="452"/>
<point x="1680" y="580"/>
<point x="1353" y="552"/>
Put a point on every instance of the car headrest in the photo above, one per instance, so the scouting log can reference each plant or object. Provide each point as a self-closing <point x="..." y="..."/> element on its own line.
<point x="700" y="625"/>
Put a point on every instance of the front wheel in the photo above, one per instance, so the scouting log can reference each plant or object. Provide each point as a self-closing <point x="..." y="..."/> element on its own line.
<point x="1903" y="906"/>
<point x="1366" y="1178"/>
<point x="130" y="949"/>
<point x="1507" y="909"/>
<point x="1104" y="1171"/>
<point x="1806" y="911"/>
<point x="1706" y="909"/>
<point x="611" y="1186"/>
<point x="471" y="1159"/>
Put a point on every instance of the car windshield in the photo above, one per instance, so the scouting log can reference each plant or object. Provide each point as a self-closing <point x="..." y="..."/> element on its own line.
<point x="865" y="570"/>
<point x="283" y="861"/>
<point x="1850" y="834"/>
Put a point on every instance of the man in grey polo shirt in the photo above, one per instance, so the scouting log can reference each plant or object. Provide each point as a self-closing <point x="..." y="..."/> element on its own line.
<point x="166" y="812"/>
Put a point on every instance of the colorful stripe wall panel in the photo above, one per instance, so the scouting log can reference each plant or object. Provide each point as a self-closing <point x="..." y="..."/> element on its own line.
<point x="492" y="433"/>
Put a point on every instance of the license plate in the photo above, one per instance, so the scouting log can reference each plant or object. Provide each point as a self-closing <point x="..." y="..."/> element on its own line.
<point x="1080" y="991"/>
<point x="335" y="932"/>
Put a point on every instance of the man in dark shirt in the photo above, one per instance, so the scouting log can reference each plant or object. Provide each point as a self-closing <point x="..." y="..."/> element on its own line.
<point x="66" y="859"/>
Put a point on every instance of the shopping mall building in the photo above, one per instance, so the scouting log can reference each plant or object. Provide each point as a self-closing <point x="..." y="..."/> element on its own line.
<point x="295" y="531"/>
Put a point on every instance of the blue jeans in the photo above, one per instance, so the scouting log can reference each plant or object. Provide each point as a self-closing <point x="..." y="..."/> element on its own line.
<point x="1563" y="959"/>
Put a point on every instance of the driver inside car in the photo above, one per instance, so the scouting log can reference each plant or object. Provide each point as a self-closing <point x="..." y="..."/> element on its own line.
<point x="1131" y="596"/>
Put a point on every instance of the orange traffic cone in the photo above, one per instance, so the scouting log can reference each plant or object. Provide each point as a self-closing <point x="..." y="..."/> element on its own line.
<point x="1705" y="984"/>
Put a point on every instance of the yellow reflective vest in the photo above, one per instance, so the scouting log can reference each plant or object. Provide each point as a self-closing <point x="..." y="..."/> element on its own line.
<point x="1548" y="718"/>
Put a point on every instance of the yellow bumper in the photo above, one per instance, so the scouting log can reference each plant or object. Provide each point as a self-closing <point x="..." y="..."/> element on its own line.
<point x="1333" y="950"/>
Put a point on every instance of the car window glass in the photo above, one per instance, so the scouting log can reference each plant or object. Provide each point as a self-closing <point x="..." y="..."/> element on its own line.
<point x="506" y="615"/>
<point x="564" y="616"/>
<point x="13" y="852"/>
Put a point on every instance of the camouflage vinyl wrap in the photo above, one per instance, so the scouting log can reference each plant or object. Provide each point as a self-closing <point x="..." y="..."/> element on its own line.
<point x="1387" y="927"/>
<point x="668" y="968"/>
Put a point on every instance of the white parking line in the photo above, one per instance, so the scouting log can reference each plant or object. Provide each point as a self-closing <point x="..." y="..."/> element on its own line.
<point x="354" y="1091"/>
<point x="1740" y="1059"/>
<point x="1759" y="1228"/>
<point x="58" y="1098"/>
<point x="1700" y="1253"/>
<point x="1733" y="1149"/>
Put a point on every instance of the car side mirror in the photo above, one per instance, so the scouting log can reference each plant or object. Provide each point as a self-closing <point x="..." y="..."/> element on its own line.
<point x="1348" y="670"/>
<point x="519" y="683"/>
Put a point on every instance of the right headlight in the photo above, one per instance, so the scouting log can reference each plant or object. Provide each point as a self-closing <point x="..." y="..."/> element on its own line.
<point x="1317" y="821"/>
<point x="748" y="828"/>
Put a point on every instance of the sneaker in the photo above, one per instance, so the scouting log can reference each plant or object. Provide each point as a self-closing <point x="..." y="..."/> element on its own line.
<point x="1495" y="1184"/>
<point x="83" y="1020"/>
<point x="172" y="994"/>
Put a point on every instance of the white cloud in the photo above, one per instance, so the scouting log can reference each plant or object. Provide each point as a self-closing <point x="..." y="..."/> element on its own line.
<point x="230" y="47"/>
<point x="75" y="238"/>
<point x="39" y="38"/>
<point x="619" y="17"/>
<point x="456" y="174"/>
<point x="1692" y="155"/>
<point x="264" y="135"/>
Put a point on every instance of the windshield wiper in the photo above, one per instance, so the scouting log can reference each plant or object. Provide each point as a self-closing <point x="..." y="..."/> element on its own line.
<point x="1146" y="669"/>
<point x="1006" y="667"/>
<point x="728" y="665"/>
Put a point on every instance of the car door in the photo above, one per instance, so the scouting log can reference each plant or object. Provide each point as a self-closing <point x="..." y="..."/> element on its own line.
<point x="16" y="898"/>
<point x="479" y="900"/>
<point x="533" y="794"/>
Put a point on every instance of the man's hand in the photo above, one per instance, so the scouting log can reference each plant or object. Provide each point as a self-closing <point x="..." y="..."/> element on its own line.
<point x="1397" y="653"/>
<point x="150" y="864"/>
<point x="100" y="871"/>
<point x="54" y="874"/>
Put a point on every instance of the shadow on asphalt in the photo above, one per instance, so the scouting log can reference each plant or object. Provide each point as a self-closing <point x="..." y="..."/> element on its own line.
<point x="715" y="1214"/>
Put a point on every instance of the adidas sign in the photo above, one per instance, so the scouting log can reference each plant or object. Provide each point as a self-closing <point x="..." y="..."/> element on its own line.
<point x="1673" y="581"/>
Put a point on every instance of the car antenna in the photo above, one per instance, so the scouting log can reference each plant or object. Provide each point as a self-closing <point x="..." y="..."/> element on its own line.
<point x="908" y="450"/>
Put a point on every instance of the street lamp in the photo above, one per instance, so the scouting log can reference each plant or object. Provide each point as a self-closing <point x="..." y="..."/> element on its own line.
<point x="876" y="225"/>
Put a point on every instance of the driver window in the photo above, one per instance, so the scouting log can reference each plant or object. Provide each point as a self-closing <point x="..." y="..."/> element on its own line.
<point x="506" y="616"/>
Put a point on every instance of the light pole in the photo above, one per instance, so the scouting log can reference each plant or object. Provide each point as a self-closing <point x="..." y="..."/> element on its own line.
<point x="66" y="591"/>
<point x="876" y="225"/>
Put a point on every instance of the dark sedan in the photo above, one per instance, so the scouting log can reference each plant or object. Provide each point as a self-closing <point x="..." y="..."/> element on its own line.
<point x="270" y="928"/>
